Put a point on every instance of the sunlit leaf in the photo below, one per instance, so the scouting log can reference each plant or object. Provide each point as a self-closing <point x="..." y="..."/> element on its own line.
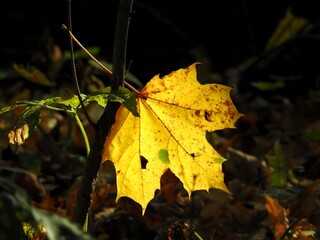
<point x="27" y="123"/>
<point x="175" y="113"/>
<point x="19" y="135"/>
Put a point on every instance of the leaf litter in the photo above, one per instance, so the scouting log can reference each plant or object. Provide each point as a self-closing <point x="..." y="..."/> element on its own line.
<point x="260" y="203"/>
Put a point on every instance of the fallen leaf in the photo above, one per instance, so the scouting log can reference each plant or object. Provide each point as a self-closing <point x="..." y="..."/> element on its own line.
<point x="277" y="215"/>
<point x="175" y="113"/>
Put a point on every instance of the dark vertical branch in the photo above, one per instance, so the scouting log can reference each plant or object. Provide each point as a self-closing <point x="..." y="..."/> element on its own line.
<point x="120" y="44"/>
<point x="108" y="117"/>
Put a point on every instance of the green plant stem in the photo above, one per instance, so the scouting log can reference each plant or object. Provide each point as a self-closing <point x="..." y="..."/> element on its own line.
<point x="83" y="132"/>
<point x="30" y="103"/>
<point x="87" y="144"/>
<point x="197" y="235"/>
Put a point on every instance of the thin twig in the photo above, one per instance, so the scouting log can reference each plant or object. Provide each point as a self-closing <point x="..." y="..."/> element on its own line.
<point x="108" y="71"/>
<point x="74" y="70"/>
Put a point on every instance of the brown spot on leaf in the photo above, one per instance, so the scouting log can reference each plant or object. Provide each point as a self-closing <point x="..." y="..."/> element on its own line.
<point x="197" y="112"/>
<point x="213" y="87"/>
<point x="231" y="113"/>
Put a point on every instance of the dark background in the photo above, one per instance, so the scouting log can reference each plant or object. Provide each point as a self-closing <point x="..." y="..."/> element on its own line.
<point x="163" y="34"/>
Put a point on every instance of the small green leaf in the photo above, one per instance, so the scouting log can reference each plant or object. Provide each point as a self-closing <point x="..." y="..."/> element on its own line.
<point x="33" y="74"/>
<point x="276" y="160"/>
<point x="72" y="102"/>
<point x="164" y="156"/>
<point x="8" y="108"/>
<point x="269" y="86"/>
<point x="101" y="97"/>
<point x="31" y="116"/>
<point x="276" y="157"/>
<point x="127" y="98"/>
<point x="278" y="178"/>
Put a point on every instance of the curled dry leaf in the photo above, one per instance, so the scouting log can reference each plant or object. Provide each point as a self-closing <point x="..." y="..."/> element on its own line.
<point x="19" y="135"/>
<point x="175" y="112"/>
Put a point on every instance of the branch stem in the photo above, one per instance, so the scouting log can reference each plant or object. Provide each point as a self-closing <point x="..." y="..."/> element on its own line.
<point x="104" y="124"/>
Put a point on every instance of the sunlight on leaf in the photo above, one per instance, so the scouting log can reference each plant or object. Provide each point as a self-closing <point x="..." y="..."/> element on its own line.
<point x="19" y="135"/>
<point x="175" y="112"/>
<point x="27" y="123"/>
<point x="32" y="232"/>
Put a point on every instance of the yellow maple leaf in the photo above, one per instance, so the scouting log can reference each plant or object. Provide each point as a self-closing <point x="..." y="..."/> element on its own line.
<point x="175" y="111"/>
